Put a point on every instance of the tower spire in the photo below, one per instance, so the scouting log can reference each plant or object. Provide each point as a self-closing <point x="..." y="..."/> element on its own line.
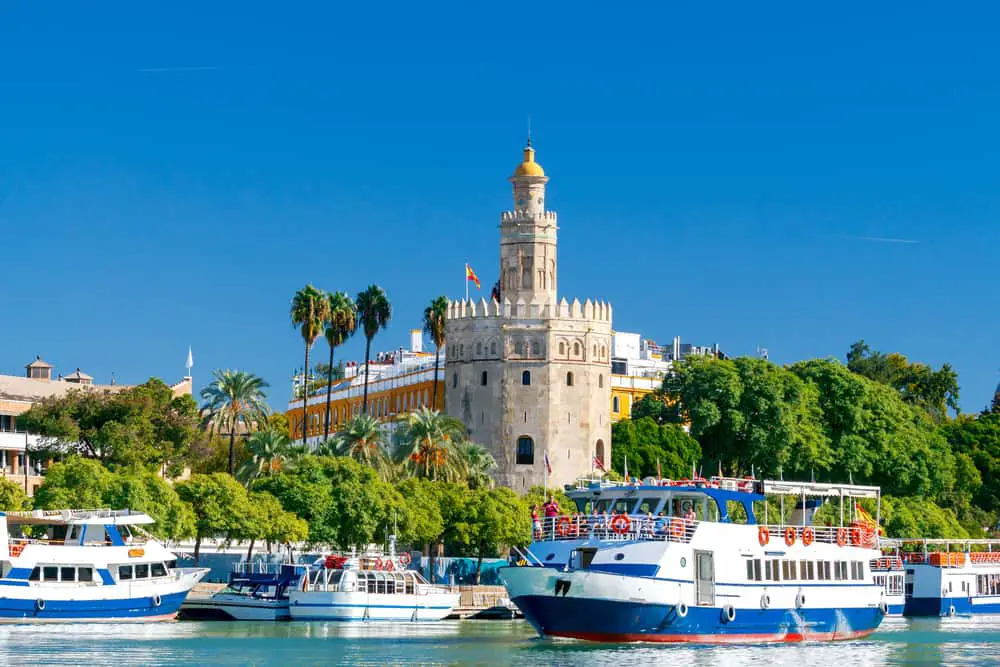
<point x="529" y="130"/>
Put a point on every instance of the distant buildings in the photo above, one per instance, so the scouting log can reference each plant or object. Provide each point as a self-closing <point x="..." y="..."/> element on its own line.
<point x="18" y="394"/>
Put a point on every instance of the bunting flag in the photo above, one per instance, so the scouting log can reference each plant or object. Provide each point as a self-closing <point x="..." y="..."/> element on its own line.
<point x="471" y="275"/>
<point x="548" y="466"/>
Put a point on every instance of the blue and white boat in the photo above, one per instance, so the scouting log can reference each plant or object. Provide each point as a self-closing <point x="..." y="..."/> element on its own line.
<point x="256" y="591"/>
<point x="890" y="575"/>
<point x="950" y="577"/>
<point x="87" y="565"/>
<point x="708" y="570"/>
<point x="371" y="587"/>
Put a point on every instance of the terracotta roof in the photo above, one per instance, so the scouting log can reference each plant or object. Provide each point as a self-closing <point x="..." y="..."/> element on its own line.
<point x="27" y="390"/>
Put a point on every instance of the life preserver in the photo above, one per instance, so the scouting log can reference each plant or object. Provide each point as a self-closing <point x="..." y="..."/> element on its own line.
<point x="388" y="567"/>
<point x="789" y="536"/>
<point x="677" y="528"/>
<point x="378" y="563"/>
<point x="807" y="536"/>
<point x="763" y="536"/>
<point x="621" y="523"/>
<point x="841" y="537"/>
<point x="404" y="558"/>
<point x="855" y="536"/>
<point x="562" y="526"/>
<point x="15" y="550"/>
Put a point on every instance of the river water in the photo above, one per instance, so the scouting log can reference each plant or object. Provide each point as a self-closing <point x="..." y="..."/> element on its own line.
<point x="954" y="641"/>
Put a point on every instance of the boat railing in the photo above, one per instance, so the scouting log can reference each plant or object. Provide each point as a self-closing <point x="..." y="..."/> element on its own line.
<point x="886" y="564"/>
<point x="67" y="514"/>
<point x="256" y="567"/>
<point x="855" y="536"/>
<point x="18" y="543"/>
<point x="617" y="527"/>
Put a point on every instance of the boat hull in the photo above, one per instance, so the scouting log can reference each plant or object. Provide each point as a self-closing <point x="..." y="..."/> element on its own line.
<point x="338" y="606"/>
<point x="632" y="618"/>
<point x="155" y="601"/>
<point x="235" y="608"/>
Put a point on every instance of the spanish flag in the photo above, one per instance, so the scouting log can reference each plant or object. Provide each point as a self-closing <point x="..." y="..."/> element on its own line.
<point x="471" y="275"/>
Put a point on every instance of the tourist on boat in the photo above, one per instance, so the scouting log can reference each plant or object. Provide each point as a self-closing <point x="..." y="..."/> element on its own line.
<point x="536" y="523"/>
<point x="660" y="527"/>
<point x="689" y="515"/>
<point x="648" y="526"/>
<point x="551" y="508"/>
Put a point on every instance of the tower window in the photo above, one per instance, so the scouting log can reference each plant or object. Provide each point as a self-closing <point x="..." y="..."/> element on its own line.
<point x="576" y="349"/>
<point x="562" y="348"/>
<point x="616" y="405"/>
<point x="479" y="349"/>
<point x="526" y="378"/>
<point x="536" y="348"/>
<point x="493" y="348"/>
<point x="569" y="379"/>
<point x="483" y="379"/>
<point x="525" y="451"/>
<point x="454" y="382"/>
<point x="519" y="348"/>
<point x="595" y="351"/>
<point x="600" y="381"/>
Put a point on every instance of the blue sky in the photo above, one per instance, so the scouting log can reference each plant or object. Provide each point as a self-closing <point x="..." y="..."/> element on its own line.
<point x="170" y="173"/>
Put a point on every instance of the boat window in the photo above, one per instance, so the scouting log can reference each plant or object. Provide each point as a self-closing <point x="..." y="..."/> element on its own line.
<point x="85" y="574"/>
<point x="159" y="570"/>
<point x="750" y="570"/>
<point x="67" y="574"/>
<point x="142" y="571"/>
<point x="647" y="505"/>
<point x="390" y="585"/>
<point x="788" y="569"/>
<point x="380" y="585"/>
<point x="124" y="572"/>
<point x="622" y="505"/>
<point x="409" y="585"/>
<point x="35" y="575"/>
<point x="50" y="573"/>
<point x="736" y="512"/>
<point x="372" y="586"/>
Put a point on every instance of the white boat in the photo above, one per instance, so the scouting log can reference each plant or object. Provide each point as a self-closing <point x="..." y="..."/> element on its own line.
<point x="710" y="570"/>
<point x="890" y="575"/>
<point x="257" y="591"/>
<point x="87" y="565"/>
<point x="948" y="577"/>
<point x="368" y="588"/>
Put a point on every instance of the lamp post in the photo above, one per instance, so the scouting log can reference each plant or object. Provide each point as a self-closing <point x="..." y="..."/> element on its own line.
<point x="24" y="463"/>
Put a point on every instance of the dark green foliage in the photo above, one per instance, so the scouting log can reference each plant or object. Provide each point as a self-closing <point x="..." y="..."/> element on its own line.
<point x="644" y="442"/>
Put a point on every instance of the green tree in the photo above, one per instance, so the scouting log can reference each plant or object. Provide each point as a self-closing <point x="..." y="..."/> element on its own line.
<point x="425" y="444"/>
<point x="233" y="400"/>
<point x="220" y="505"/>
<point x="304" y="490"/>
<point x="655" y="406"/>
<point x="342" y="318"/>
<point x="435" y="316"/>
<point x="268" y="450"/>
<point x="277" y="421"/>
<point x="646" y="443"/>
<point x="76" y="483"/>
<point x="310" y="309"/>
<point x="271" y="523"/>
<point x="423" y="523"/>
<point x="995" y="405"/>
<point x="493" y="519"/>
<point x="145" y="492"/>
<point x="374" y="313"/>
<point x="143" y="426"/>
<point x="12" y="496"/>
<point x="474" y="465"/>
<point x="978" y="438"/>
<point x="362" y="438"/>
<point x="362" y="506"/>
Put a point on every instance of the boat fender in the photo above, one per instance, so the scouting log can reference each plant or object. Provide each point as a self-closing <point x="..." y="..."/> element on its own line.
<point x="40" y="604"/>
<point x="157" y="601"/>
<point x="951" y="610"/>
<point x="765" y="601"/>
<point x="883" y="607"/>
<point x="728" y="613"/>
<point x="682" y="610"/>
<point x="800" y="600"/>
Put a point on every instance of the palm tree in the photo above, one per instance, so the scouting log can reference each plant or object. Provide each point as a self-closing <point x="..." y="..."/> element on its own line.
<point x="234" y="398"/>
<point x="475" y="464"/>
<point x="374" y="313"/>
<point x="434" y="321"/>
<point x="426" y="441"/>
<point x="269" y="450"/>
<point x="363" y="439"/>
<point x="309" y="311"/>
<point x="341" y="320"/>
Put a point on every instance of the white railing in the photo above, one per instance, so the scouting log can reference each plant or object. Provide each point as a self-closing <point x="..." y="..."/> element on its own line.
<point x="617" y="527"/>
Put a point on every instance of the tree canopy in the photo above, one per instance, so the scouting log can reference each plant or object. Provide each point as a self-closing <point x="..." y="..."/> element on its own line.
<point x="643" y="442"/>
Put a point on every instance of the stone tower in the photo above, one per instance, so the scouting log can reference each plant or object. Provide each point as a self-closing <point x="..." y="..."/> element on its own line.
<point x="529" y="374"/>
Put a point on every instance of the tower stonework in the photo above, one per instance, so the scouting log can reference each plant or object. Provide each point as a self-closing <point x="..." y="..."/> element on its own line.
<point x="529" y="375"/>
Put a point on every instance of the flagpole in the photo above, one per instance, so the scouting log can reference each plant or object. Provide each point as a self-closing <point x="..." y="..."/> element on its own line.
<point x="545" y="475"/>
<point x="466" y="281"/>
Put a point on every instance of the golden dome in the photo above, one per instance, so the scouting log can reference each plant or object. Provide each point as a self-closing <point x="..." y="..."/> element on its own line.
<point x="528" y="166"/>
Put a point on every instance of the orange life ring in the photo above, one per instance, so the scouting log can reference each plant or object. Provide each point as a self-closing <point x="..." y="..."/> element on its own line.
<point x="621" y="523"/>
<point x="677" y="528"/>
<point x="378" y="563"/>
<point x="562" y="526"/>
<point x="855" y="536"/>
<point x="15" y="550"/>
<point x="789" y="536"/>
<point x="763" y="536"/>
<point x="404" y="558"/>
<point x="807" y="536"/>
<point x="388" y="566"/>
<point x="841" y="537"/>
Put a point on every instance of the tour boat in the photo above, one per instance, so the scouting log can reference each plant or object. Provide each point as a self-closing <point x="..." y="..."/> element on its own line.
<point x="368" y="588"/>
<point x="87" y="565"/>
<point x="711" y="569"/>
<point x="950" y="577"/>
<point x="257" y="591"/>
<point x="890" y="575"/>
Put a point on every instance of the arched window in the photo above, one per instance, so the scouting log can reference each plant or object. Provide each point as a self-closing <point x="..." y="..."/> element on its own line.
<point x="525" y="451"/>
<point x="483" y="378"/>
<point x="536" y="349"/>
<point x="518" y="348"/>
<point x="600" y="381"/>
<point x="576" y="349"/>
<point x="493" y="347"/>
<point x="454" y="380"/>
<point x="461" y="350"/>
<point x="595" y="350"/>
<point x="600" y="451"/>
<point x="604" y="352"/>
<point x="479" y="349"/>
<point x="526" y="278"/>
<point x="569" y="379"/>
<point x="562" y="347"/>
<point x="616" y="405"/>
<point x="526" y="378"/>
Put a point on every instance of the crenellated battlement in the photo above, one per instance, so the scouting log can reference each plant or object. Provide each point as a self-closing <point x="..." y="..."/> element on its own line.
<point x="522" y="215"/>
<point x="594" y="311"/>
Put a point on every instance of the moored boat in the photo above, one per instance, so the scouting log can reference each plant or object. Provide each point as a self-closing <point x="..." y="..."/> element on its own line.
<point x="949" y="577"/>
<point x="691" y="561"/>
<point x="87" y="565"/>
<point x="256" y="591"/>
<point x="888" y="573"/>
<point x="372" y="587"/>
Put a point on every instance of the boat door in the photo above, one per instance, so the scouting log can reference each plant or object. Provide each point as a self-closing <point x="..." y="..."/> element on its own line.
<point x="704" y="578"/>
